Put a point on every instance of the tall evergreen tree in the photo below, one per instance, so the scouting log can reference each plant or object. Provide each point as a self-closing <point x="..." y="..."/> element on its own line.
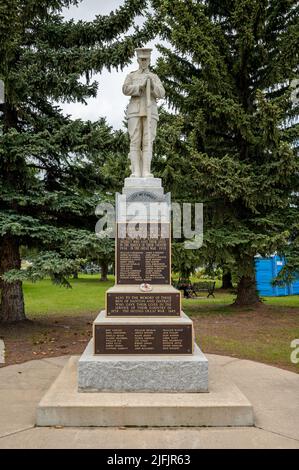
<point x="228" y="72"/>
<point x="47" y="176"/>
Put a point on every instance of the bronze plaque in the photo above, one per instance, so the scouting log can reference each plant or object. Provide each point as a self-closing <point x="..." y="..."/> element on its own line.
<point x="143" y="304"/>
<point x="143" y="339"/>
<point x="143" y="254"/>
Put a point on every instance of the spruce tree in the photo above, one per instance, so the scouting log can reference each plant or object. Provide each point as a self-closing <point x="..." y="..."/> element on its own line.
<point x="229" y="74"/>
<point x="50" y="178"/>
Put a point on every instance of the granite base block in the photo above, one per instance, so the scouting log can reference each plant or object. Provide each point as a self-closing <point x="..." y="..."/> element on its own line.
<point x="63" y="405"/>
<point x="181" y="374"/>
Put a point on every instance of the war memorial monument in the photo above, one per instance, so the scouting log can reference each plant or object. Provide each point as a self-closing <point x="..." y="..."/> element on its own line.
<point x="142" y="366"/>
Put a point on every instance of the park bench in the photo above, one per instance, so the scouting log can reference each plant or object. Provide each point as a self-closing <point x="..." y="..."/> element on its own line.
<point x="204" y="286"/>
<point x="191" y="290"/>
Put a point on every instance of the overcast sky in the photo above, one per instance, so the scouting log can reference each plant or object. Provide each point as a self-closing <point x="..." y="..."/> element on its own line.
<point x="110" y="102"/>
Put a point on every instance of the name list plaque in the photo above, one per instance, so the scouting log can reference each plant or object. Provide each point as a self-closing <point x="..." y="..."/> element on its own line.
<point x="143" y="304"/>
<point x="143" y="255"/>
<point x="143" y="339"/>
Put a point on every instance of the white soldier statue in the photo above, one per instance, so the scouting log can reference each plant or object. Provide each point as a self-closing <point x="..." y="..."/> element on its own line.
<point x="145" y="88"/>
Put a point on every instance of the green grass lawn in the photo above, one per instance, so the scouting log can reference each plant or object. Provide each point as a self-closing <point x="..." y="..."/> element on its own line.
<point x="88" y="295"/>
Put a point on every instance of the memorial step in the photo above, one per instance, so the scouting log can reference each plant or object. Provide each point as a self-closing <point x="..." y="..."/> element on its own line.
<point x="64" y="405"/>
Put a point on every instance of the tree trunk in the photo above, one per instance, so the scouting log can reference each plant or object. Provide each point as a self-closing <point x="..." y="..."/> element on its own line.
<point x="227" y="280"/>
<point x="12" y="300"/>
<point x="75" y="275"/>
<point x="104" y="271"/>
<point x="246" y="291"/>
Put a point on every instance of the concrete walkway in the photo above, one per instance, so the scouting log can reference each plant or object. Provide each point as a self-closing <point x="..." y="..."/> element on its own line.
<point x="274" y="394"/>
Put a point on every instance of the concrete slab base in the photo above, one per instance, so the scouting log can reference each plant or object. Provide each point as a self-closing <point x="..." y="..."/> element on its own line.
<point x="142" y="373"/>
<point x="63" y="405"/>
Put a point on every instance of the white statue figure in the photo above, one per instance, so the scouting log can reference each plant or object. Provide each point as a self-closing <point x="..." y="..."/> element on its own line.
<point x="145" y="88"/>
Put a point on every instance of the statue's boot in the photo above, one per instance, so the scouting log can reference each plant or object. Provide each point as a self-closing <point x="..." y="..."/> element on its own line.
<point x="135" y="163"/>
<point x="146" y="167"/>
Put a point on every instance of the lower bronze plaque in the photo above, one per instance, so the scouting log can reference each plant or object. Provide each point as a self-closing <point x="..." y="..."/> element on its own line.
<point x="143" y="339"/>
<point x="142" y="305"/>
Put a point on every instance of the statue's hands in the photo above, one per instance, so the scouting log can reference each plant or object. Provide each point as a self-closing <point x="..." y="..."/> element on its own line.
<point x="143" y="84"/>
<point x="146" y="78"/>
<point x="150" y="76"/>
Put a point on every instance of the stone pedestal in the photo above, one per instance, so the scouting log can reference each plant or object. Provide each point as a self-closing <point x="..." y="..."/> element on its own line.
<point x="133" y="185"/>
<point x="142" y="373"/>
<point x="143" y="341"/>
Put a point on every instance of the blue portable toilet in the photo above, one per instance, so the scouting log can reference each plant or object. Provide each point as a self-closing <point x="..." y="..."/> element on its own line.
<point x="266" y="270"/>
